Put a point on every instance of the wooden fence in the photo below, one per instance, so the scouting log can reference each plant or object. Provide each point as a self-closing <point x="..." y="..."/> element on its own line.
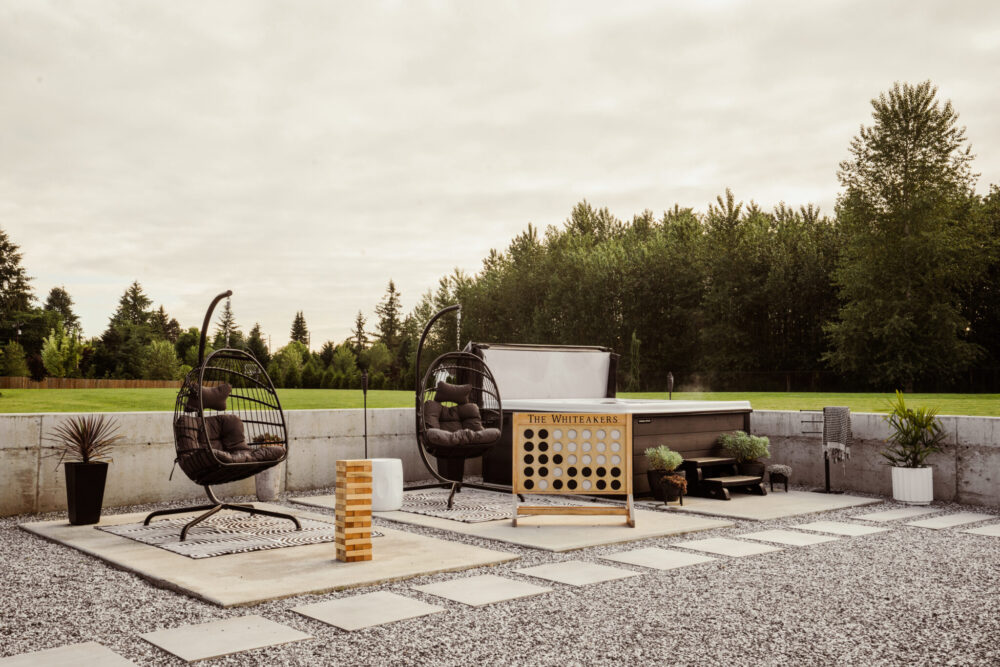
<point x="85" y="383"/>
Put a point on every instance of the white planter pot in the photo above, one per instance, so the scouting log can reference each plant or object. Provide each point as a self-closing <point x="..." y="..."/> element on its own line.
<point x="268" y="483"/>
<point x="913" y="485"/>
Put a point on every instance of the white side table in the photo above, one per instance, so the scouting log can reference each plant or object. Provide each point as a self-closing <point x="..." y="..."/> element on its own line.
<point x="387" y="485"/>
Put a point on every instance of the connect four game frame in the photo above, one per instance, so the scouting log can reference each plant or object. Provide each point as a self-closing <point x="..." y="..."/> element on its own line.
<point x="572" y="454"/>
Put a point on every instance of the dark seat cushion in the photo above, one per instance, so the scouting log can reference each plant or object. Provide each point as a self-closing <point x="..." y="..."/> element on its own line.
<point x="213" y="398"/>
<point x="225" y="433"/>
<point x="458" y="425"/>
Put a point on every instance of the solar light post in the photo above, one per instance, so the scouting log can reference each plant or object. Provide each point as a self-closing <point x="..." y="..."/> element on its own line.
<point x="670" y="386"/>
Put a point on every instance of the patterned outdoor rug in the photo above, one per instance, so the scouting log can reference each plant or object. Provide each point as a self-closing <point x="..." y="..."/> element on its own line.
<point x="226" y="534"/>
<point x="471" y="505"/>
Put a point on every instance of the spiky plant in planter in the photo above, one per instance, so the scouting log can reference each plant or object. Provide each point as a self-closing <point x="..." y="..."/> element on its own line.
<point x="746" y="449"/>
<point x="83" y="444"/>
<point x="661" y="463"/>
<point x="916" y="434"/>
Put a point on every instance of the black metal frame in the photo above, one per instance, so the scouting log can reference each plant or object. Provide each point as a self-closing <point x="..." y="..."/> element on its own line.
<point x="253" y="399"/>
<point x="485" y="394"/>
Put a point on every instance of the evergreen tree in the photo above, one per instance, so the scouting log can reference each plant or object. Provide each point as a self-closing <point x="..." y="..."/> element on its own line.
<point x="910" y="226"/>
<point x="299" y="331"/>
<point x="60" y="301"/>
<point x="163" y="326"/>
<point x="389" y="321"/>
<point x="359" y="338"/>
<point x="15" y="289"/>
<point x="326" y="353"/>
<point x="257" y="347"/>
<point x="14" y="362"/>
<point x="133" y="307"/>
<point x="227" y="332"/>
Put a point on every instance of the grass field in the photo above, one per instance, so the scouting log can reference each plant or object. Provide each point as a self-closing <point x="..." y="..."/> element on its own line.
<point x="133" y="400"/>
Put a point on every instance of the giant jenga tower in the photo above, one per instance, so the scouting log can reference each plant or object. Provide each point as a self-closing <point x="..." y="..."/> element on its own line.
<point x="353" y="511"/>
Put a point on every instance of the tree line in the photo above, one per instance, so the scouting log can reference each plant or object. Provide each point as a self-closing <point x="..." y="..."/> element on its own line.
<point x="899" y="289"/>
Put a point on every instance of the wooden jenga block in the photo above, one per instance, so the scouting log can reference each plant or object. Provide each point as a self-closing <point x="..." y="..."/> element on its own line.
<point x="353" y="511"/>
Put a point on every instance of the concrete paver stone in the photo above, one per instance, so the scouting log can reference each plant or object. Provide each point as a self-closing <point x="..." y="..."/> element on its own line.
<point x="577" y="572"/>
<point x="893" y="515"/>
<point x="791" y="538"/>
<point x="367" y="610"/>
<point x="224" y="637"/>
<point x="87" y="654"/>
<point x="482" y="590"/>
<point x="727" y="547"/>
<point x="659" y="559"/>
<point x="840" y="528"/>
<point x="951" y="520"/>
<point x="993" y="530"/>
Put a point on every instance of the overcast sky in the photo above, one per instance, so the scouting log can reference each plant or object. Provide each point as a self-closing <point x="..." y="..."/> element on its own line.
<point x="304" y="153"/>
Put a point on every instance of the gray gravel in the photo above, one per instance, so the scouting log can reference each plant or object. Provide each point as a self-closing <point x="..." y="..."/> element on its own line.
<point x="909" y="596"/>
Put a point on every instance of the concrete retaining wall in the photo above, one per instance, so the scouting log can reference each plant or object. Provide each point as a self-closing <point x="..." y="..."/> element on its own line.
<point x="967" y="471"/>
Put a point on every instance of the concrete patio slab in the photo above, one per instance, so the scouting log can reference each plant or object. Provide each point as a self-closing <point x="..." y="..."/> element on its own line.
<point x="87" y="654"/>
<point x="840" y="528"/>
<point x="225" y="637"/>
<point x="727" y="547"/>
<point x="951" y="520"/>
<point x="777" y="505"/>
<point x="258" y="576"/>
<point x="790" y="538"/>
<point x="993" y="530"/>
<point x="894" y="515"/>
<point x="558" y="532"/>
<point x="577" y="572"/>
<point x="482" y="590"/>
<point x="659" y="559"/>
<point x="367" y="610"/>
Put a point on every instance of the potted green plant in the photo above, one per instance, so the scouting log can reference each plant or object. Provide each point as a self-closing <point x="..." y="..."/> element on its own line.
<point x="83" y="445"/>
<point x="661" y="461"/>
<point x="267" y="484"/>
<point x="916" y="434"/>
<point x="746" y="449"/>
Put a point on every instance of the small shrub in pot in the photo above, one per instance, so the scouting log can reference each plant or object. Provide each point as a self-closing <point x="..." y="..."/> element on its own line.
<point x="746" y="449"/>
<point x="662" y="461"/>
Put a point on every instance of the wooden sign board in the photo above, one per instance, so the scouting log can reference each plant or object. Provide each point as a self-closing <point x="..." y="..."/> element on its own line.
<point x="572" y="453"/>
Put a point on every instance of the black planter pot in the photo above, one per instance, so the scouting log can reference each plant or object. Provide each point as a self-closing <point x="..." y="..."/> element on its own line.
<point x="655" y="478"/>
<point x="85" y="491"/>
<point x="751" y="468"/>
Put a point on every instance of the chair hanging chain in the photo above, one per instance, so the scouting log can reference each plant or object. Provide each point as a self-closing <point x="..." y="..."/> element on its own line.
<point x="229" y="312"/>
<point x="458" y="329"/>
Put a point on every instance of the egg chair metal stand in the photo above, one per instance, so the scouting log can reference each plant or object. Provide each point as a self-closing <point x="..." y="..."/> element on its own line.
<point x="471" y="438"/>
<point x="228" y="426"/>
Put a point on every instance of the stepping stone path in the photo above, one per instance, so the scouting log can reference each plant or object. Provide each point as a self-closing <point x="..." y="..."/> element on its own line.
<point x="577" y="572"/>
<point x="993" y="530"/>
<point x="219" y="638"/>
<point x="368" y="610"/>
<point x="727" y="547"/>
<point x="951" y="520"/>
<point x="893" y="515"/>
<point x="789" y="537"/>
<point x="88" y="654"/>
<point x="659" y="559"/>
<point x="840" y="528"/>
<point x="482" y="590"/>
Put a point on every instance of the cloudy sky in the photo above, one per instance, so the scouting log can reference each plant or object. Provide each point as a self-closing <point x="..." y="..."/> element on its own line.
<point x="303" y="153"/>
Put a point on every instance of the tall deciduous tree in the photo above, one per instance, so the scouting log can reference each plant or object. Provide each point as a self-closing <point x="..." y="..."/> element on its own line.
<point x="60" y="301"/>
<point x="300" y="333"/>
<point x="908" y="214"/>
<point x="62" y="352"/>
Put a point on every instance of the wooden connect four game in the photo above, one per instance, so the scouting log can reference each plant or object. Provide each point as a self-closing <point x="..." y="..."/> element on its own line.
<point x="570" y="453"/>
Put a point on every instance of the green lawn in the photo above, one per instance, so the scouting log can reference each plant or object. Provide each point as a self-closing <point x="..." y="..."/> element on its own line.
<point x="131" y="400"/>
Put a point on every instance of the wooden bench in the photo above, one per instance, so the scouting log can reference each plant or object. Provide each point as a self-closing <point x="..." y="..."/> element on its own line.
<point x="713" y="475"/>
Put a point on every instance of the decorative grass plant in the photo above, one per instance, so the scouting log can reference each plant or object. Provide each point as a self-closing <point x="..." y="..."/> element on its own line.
<point x="85" y="439"/>
<point x="916" y="434"/>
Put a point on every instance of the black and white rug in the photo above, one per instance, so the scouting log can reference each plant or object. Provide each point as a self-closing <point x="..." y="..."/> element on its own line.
<point x="471" y="505"/>
<point x="226" y="534"/>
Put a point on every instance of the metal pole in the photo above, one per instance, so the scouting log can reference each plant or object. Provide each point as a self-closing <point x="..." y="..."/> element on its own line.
<point x="364" y="391"/>
<point x="670" y="386"/>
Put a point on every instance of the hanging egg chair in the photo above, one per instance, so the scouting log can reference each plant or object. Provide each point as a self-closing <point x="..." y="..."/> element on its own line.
<point x="228" y="426"/>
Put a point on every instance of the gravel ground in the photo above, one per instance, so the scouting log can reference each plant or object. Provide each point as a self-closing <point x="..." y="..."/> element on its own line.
<point x="909" y="596"/>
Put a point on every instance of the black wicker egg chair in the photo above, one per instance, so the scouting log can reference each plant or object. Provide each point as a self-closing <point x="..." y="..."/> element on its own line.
<point x="228" y="426"/>
<point x="458" y="414"/>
